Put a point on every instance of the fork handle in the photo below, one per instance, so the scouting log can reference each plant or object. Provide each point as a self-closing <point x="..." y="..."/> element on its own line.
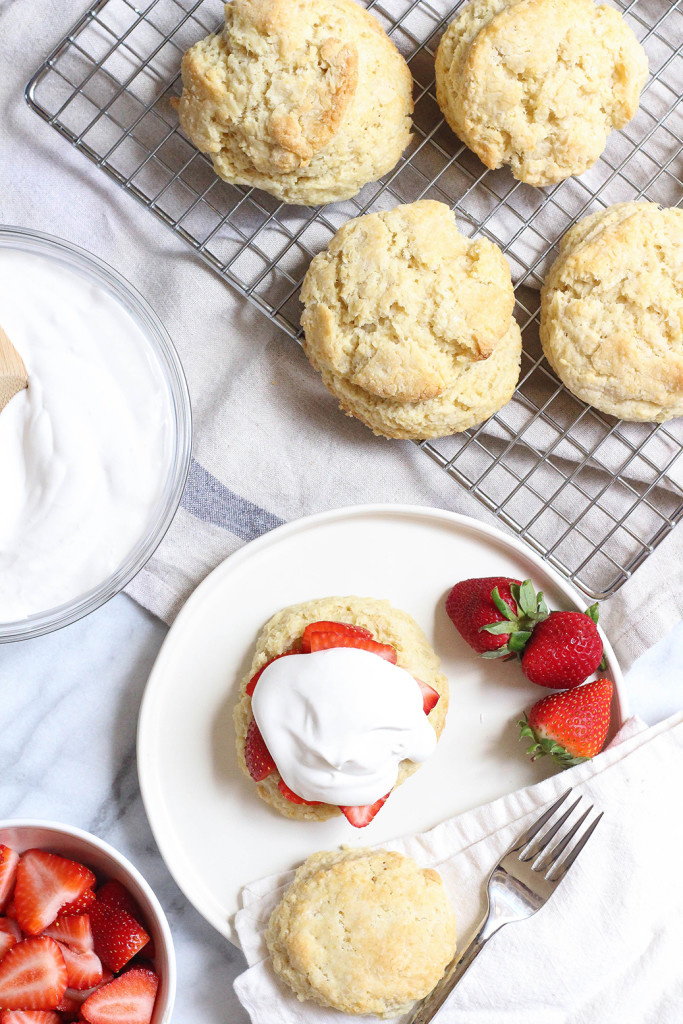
<point x="430" y="1006"/>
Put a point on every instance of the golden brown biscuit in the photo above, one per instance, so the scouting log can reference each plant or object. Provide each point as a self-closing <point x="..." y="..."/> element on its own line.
<point x="307" y="99"/>
<point x="612" y="311"/>
<point x="388" y="625"/>
<point x="410" y="323"/>
<point x="363" y="931"/>
<point x="538" y="84"/>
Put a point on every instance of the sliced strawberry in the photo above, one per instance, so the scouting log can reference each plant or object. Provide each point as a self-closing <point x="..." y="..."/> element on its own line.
<point x="10" y="927"/>
<point x="125" y="1000"/>
<point x="341" y="628"/>
<point x="118" y="936"/>
<point x="78" y="906"/>
<point x="292" y="796"/>
<point x="251" y="685"/>
<point x="11" y="910"/>
<point x="74" y="998"/>
<point x="359" y="817"/>
<point x="30" y="1017"/>
<point x="70" y="1005"/>
<point x="74" y="931"/>
<point x="148" y="953"/>
<point x="10" y="934"/>
<point x="324" y="641"/>
<point x="9" y="861"/>
<point x="117" y="896"/>
<point x="7" y="940"/>
<point x="83" y="970"/>
<point x="45" y="883"/>
<point x="430" y="698"/>
<point x="32" y="975"/>
<point x="256" y="754"/>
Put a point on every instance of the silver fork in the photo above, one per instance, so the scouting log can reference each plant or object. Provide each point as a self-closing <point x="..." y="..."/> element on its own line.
<point x="518" y="886"/>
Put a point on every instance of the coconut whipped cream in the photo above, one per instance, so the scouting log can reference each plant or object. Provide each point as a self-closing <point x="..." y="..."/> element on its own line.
<point x="84" y="451"/>
<point x="339" y="722"/>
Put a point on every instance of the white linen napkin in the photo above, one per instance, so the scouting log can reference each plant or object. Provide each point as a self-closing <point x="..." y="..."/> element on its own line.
<point x="606" y="947"/>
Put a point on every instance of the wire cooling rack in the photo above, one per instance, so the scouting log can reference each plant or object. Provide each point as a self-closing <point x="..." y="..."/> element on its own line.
<point x="591" y="494"/>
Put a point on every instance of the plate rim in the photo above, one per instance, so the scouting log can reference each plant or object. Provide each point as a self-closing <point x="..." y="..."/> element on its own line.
<point x="224" y="925"/>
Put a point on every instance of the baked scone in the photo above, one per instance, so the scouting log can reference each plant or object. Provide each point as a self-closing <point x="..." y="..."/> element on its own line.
<point x="538" y="84"/>
<point x="284" y="631"/>
<point x="612" y="311"/>
<point x="363" y="931"/>
<point x="410" y="323"/>
<point x="306" y="99"/>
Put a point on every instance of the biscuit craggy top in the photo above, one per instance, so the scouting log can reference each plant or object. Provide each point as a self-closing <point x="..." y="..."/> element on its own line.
<point x="307" y="100"/>
<point x="539" y="84"/>
<point x="612" y="311"/>
<point x="365" y="931"/>
<point x="401" y="301"/>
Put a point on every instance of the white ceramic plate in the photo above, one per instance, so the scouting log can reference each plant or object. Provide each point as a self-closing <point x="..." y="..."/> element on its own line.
<point x="214" y="833"/>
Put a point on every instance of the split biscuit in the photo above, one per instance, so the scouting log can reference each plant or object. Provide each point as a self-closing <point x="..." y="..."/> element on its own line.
<point x="388" y="625"/>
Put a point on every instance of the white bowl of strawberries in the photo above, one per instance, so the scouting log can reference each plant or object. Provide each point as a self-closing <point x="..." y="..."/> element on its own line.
<point x="82" y="935"/>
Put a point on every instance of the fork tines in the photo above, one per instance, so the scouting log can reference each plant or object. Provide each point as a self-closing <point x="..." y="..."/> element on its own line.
<point x="534" y="844"/>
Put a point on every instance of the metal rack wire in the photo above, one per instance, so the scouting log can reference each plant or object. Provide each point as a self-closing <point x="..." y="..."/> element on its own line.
<point x="591" y="494"/>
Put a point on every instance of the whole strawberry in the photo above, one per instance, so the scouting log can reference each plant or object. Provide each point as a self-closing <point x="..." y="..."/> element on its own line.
<point x="563" y="650"/>
<point x="495" y="614"/>
<point x="570" y="726"/>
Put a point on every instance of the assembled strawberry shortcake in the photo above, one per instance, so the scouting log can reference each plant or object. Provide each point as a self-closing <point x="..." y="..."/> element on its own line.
<point x="343" y="701"/>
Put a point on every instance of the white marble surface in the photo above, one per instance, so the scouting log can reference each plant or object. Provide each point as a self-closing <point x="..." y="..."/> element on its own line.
<point x="70" y="703"/>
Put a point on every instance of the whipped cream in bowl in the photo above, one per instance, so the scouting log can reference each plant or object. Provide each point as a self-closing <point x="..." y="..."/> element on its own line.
<point x="339" y="722"/>
<point x="94" y="454"/>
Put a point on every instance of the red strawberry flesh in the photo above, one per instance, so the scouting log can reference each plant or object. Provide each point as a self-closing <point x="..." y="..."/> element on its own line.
<point x="9" y="861"/>
<point x="32" y="975"/>
<point x="292" y="796"/>
<point x="359" y="817"/>
<point x="74" y="930"/>
<point x="30" y="1017"/>
<point x="7" y="940"/>
<point x="10" y="927"/>
<point x="430" y="698"/>
<point x="324" y="641"/>
<point x="340" y="628"/>
<point x="128" y="999"/>
<point x="45" y="883"/>
<point x="117" y="935"/>
<point x="83" y="970"/>
<point x="563" y="651"/>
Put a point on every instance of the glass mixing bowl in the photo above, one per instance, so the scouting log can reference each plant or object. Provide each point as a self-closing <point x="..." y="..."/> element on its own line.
<point x="166" y="359"/>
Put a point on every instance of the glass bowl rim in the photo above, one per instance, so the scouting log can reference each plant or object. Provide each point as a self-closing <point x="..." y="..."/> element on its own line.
<point x="173" y="375"/>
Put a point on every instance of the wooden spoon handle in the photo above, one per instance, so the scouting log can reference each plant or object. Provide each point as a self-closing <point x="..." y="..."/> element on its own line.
<point x="13" y="375"/>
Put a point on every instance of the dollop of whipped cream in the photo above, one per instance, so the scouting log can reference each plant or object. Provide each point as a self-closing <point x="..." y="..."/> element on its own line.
<point x="339" y="722"/>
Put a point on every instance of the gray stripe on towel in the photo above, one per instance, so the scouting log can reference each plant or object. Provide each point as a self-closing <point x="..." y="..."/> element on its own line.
<point x="211" y="501"/>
